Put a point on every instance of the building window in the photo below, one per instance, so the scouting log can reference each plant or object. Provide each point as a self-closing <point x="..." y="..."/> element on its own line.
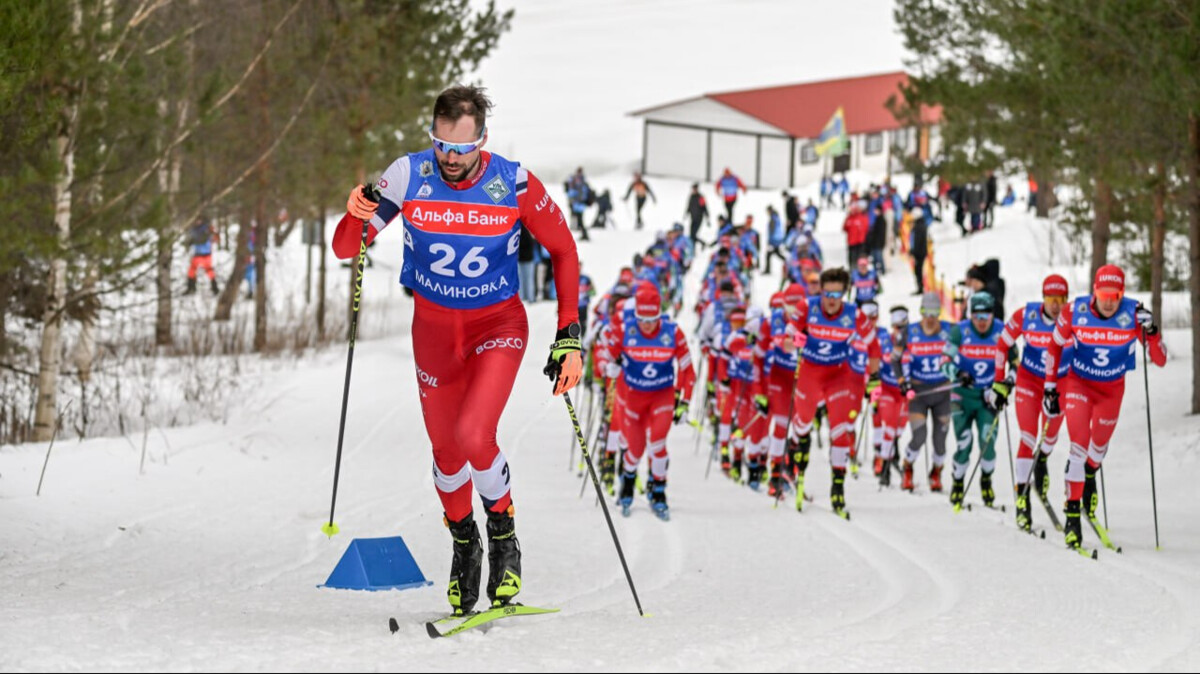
<point x="808" y="154"/>
<point x="873" y="143"/>
<point x="900" y="139"/>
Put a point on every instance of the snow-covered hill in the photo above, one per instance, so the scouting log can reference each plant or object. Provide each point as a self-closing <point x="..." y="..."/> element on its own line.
<point x="210" y="559"/>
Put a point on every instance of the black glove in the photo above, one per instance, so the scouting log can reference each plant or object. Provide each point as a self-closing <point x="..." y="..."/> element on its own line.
<point x="762" y="403"/>
<point x="965" y="379"/>
<point x="565" y="365"/>
<point x="1050" y="401"/>
<point x="906" y="388"/>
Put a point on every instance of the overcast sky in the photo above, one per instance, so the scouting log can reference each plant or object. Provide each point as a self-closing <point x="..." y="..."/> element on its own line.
<point x="566" y="76"/>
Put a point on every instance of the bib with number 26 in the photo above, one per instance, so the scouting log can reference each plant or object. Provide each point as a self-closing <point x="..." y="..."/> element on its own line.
<point x="461" y="245"/>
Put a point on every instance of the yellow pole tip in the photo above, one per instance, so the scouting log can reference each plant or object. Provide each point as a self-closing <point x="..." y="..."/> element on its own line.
<point x="853" y="415"/>
<point x="329" y="529"/>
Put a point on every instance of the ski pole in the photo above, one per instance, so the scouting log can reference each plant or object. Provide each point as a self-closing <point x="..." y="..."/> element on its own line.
<point x="1150" y="440"/>
<point x="1103" y="495"/>
<point x="1012" y="471"/>
<point x="991" y="434"/>
<point x="599" y="493"/>
<point x="372" y="194"/>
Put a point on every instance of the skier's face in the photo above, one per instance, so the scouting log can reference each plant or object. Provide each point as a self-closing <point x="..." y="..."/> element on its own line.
<point x="1052" y="305"/>
<point x="1107" y="304"/>
<point x="457" y="167"/>
<point x="832" y="296"/>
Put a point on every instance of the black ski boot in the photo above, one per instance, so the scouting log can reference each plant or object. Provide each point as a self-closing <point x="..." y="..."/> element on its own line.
<point x="1072" y="526"/>
<point x="1041" y="476"/>
<point x="956" y="492"/>
<point x="1024" y="514"/>
<point x="625" y="500"/>
<point x="837" y="492"/>
<point x="191" y="287"/>
<point x="798" y="453"/>
<point x="656" y="491"/>
<point x="607" y="470"/>
<point x="754" y="474"/>
<point x="775" y="483"/>
<point x="1091" y="499"/>
<point x="466" y="566"/>
<point x="885" y="475"/>
<point x="504" y="558"/>
<point x="985" y="489"/>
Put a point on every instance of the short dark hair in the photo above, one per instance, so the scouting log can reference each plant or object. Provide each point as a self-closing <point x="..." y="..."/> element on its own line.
<point x="836" y="275"/>
<point x="461" y="100"/>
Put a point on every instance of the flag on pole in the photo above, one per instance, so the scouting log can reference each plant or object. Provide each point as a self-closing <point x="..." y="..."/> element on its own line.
<point x="832" y="140"/>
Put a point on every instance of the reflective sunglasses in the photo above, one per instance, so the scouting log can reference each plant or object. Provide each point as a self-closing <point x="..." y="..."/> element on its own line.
<point x="447" y="147"/>
<point x="982" y="315"/>
<point x="871" y="310"/>
<point x="931" y="312"/>
<point x="833" y="295"/>
<point x="1108" y="294"/>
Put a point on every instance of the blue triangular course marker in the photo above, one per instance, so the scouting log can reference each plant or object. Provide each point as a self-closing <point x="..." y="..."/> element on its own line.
<point x="377" y="564"/>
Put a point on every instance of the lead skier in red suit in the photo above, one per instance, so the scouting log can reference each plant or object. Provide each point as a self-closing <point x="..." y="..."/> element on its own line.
<point x="461" y="210"/>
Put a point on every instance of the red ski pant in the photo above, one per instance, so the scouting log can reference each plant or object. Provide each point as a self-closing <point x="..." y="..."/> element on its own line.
<point x="780" y="385"/>
<point x="1092" y="410"/>
<point x="1030" y="419"/>
<point x="467" y="360"/>
<point x="201" y="262"/>
<point x="888" y="413"/>
<point x="857" y="385"/>
<point x="647" y="419"/>
<point x="831" y="384"/>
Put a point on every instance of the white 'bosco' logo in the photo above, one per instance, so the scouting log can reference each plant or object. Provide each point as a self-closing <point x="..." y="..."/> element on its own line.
<point x="502" y="343"/>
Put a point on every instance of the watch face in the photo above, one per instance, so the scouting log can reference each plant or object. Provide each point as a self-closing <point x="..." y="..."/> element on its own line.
<point x="574" y="330"/>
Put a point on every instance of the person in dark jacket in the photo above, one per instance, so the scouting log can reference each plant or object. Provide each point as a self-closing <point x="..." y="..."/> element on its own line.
<point x="919" y="247"/>
<point x="527" y="267"/>
<point x="603" y="208"/>
<point x="697" y="211"/>
<point x="877" y="236"/>
<point x="991" y="192"/>
<point x="973" y="199"/>
<point x="791" y="210"/>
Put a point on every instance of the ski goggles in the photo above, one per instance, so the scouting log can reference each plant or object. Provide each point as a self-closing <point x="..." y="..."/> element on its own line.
<point x="446" y="147"/>
<point x="981" y="316"/>
<point x="833" y="295"/>
<point x="930" y="311"/>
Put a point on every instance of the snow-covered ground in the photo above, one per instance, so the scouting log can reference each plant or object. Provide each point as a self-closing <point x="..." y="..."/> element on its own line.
<point x="210" y="559"/>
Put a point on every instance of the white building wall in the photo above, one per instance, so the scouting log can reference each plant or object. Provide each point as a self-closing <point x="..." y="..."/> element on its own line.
<point x="711" y="114"/>
<point x="673" y="151"/>
<point x="776" y="162"/>
<point x="736" y="152"/>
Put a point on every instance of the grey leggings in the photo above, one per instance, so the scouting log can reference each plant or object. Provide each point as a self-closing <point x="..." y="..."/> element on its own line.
<point x="918" y="410"/>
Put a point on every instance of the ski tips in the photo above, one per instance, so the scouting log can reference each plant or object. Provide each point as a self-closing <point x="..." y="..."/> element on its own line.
<point x="329" y="529"/>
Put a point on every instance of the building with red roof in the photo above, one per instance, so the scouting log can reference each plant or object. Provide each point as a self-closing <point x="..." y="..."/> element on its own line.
<point x="767" y="136"/>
